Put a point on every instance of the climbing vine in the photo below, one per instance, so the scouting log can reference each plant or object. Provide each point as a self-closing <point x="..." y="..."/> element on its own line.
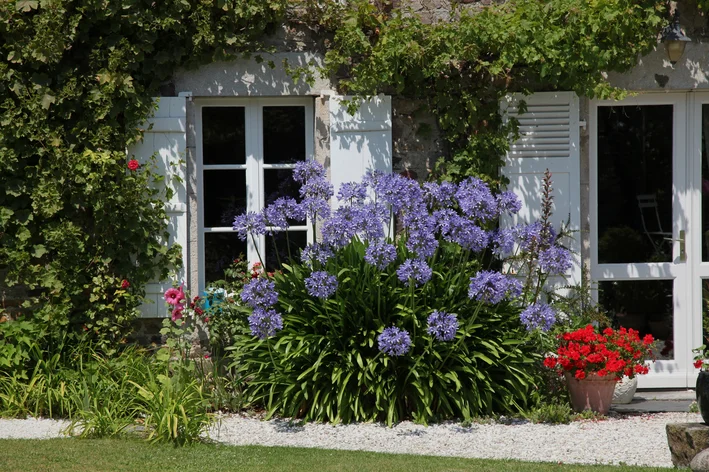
<point x="77" y="77"/>
<point x="463" y="67"/>
<point x="78" y="228"/>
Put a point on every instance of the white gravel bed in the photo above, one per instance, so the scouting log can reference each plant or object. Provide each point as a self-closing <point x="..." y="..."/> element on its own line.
<point x="629" y="439"/>
<point x="32" y="428"/>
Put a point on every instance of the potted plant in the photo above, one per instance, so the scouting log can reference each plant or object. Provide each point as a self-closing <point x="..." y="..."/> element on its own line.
<point x="701" y="362"/>
<point x="593" y="362"/>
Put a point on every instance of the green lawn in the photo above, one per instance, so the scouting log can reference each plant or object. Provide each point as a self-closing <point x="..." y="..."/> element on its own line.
<point x="130" y="455"/>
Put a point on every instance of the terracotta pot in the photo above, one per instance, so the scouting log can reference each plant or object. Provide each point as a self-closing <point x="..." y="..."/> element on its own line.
<point x="592" y="393"/>
<point x="703" y="395"/>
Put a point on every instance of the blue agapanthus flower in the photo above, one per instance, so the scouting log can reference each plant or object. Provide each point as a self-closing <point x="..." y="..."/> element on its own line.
<point x="265" y="322"/>
<point x="502" y="241"/>
<point x="442" y="325"/>
<point x="508" y="202"/>
<point x="555" y="260"/>
<point x="538" y="315"/>
<point x="283" y="209"/>
<point x="394" y="341"/>
<point x="493" y="287"/>
<point x="249" y="223"/>
<point x="380" y="254"/>
<point x="416" y="270"/>
<point x="259" y="292"/>
<point x="321" y="284"/>
<point x="352" y="192"/>
<point x="476" y="200"/>
<point x="439" y="195"/>
<point x="316" y="252"/>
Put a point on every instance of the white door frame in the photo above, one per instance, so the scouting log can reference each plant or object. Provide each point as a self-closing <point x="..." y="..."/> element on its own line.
<point x="677" y="373"/>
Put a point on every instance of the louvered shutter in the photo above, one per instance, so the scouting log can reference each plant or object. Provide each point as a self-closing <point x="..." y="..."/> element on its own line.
<point x="549" y="139"/>
<point x="166" y="138"/>
<point x="359" y="142"/>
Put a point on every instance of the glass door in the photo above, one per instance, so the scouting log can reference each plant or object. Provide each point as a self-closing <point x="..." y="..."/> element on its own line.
<point x="639" y="219"/>
<point x="698" y="191"/>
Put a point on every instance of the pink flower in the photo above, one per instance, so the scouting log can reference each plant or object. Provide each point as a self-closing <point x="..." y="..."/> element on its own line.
<point x="174" y="296"/>
<point x="177" y="313"/>
<point x="133" y="165"/>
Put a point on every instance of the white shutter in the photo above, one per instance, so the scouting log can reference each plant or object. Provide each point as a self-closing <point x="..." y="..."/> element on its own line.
<point x="359" y="142"/>
<point x="167" y="139"/>
<point x="549" y="139"/>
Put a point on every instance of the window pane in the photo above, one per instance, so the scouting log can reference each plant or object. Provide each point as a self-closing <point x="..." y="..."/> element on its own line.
<point x="279" y="252"/>
<point x="220" y="250"/>
<point x="283" y="134"/>
<point x="224" y="196"/>
<point x="644" y="305"/>
<point x="634" y="184"/>
<point x="223" y="135"/>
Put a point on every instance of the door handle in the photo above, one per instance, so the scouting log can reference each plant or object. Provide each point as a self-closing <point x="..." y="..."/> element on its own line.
<point x="682" y="245"/>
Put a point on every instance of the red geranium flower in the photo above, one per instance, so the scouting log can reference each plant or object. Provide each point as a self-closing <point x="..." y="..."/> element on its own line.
<point x="133" y="164"/>
<point x="125" y="283"/>
<point x="585" y="352"/>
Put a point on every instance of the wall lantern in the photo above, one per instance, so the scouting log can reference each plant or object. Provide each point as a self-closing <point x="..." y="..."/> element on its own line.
<point x="675" y="40"/>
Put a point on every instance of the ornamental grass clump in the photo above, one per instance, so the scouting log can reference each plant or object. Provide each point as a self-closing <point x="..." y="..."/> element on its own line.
<point x="586" y="352"/>
<point x="366" y="325"/>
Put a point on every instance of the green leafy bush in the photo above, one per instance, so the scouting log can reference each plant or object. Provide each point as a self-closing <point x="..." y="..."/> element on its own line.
<point x="325" y="364"/>
<point x="76" y="80"/>
<point x="366" y="328"/>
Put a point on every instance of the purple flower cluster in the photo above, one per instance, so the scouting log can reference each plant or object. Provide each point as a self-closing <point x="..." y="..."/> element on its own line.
<point x="493" y="287"/>
<point x="508" y="202"/>
<point x="352" y="192"/>
<point x="439" y="195"/>
<point x="536" y="236"/>
<point x="315" y="190"/>
<point x="280" y="211"/>
<point x="249" y="223"/>
<point x="265" y="322"/>
<point x="416" y="270"/>
<point x="555" y="260"/>
<point x="538" y="315"/>
<point x="394" y="341"/>
<point x="476" y="200"/>
<point x="380" y="254"/>
<point x="316" y="252"/>
<point x="442" y="325"/>
<point x="259" y="292"/>
<point x="321" y="284"/>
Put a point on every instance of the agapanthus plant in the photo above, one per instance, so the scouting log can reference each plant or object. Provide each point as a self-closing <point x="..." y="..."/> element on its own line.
<point x="365" y="324"/>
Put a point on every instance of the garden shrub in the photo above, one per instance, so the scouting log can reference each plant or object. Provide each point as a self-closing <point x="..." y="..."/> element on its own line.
<point x="79" y="228"/>
<point x="367" y="328"/>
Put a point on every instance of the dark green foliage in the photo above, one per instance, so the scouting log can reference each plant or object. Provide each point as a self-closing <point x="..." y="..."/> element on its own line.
<point x="325" y="364"/>
<point x="76" y="80"/>
<point x="464" y="67"/>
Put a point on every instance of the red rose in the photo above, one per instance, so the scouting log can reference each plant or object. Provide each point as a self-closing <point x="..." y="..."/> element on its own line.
<point x="133" y="165"/>
<point x="698" y="364"/>
<point x="580" y="374"/>
<point x="125" y="284"/>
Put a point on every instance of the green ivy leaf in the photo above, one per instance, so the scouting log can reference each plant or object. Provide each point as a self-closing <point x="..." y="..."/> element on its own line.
<point x="26" y="5"/>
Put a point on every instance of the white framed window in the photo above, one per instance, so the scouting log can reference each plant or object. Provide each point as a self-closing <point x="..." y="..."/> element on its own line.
<point x="247" y="149"/>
